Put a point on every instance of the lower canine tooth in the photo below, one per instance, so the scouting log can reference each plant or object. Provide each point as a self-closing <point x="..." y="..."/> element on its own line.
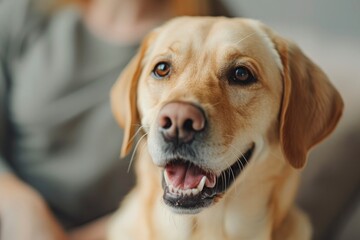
<point x="166" y="177"/>
<point x="194" y="191"/>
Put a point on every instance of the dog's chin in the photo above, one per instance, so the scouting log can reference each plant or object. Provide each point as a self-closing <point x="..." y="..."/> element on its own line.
<point x="188" y="188"/>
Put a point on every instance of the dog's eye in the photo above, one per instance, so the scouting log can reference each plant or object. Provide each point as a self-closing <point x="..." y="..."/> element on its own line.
<point x="241" y="75"/>
<point x="161" y="70"/>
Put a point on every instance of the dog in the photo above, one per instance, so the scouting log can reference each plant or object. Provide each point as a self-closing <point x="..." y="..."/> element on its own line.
<point x="228" y="111"/>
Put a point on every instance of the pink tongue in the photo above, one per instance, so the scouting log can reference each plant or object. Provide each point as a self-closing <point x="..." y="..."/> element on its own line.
<point x="182" y="176"/>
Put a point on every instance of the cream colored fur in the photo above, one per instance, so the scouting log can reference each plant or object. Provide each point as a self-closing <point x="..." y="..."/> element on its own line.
<point x="290" y="108"/>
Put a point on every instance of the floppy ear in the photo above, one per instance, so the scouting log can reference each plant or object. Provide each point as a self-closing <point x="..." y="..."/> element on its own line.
<point x="124" y="97"/>
<point x="311" y="106"/>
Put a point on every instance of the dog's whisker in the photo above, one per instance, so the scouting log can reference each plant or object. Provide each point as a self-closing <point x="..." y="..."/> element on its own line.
<point x="214" y="104"/>
<point x="228" y="135"/>
<point x="224" y="180"/>
<point x="234" y="152"/>
<point x="277" y="156"/>
<point x="237" y="152"/>
<point x="194" y="225"/>
<point x="140" y="127"/>
<point x="136" y="147"/>
<point x="240" y="163"/>
<point x="170" y="217"/>
<point x="246" y="37"/>
<point x="231" y="173"/>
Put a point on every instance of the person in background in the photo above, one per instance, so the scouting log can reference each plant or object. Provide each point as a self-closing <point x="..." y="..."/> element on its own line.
<point x="60" y="174"/>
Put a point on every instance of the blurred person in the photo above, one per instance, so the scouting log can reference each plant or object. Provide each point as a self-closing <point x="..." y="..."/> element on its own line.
<point x="60" y="174"/>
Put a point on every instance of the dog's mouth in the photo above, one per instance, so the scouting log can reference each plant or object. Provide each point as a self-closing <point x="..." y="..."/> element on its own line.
<point x="188" y="188"/>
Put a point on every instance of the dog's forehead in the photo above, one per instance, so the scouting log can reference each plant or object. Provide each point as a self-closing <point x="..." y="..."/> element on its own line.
<point x="216" y="33"/>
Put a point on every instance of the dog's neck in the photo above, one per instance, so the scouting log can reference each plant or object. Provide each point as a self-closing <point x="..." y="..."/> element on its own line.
<point x="252" y="203"/>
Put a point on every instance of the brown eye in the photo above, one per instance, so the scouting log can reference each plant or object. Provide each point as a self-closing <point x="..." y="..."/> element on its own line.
<point x="242" y="76"/>
<point x="161" y="70"/>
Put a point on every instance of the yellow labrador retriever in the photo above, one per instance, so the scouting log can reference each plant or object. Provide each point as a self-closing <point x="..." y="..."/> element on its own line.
<point x="227" y="111"/>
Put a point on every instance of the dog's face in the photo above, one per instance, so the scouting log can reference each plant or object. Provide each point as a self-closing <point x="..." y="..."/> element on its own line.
<point x="214" y="95"/>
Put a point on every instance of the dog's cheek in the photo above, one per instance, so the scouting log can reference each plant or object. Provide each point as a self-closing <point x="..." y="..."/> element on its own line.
<point x="256" y="116"/>
<point x="146" y="100"/>
<point x="264" y="122"/>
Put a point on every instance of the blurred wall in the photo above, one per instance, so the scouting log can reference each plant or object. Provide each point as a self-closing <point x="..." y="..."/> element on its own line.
<point x="328" y="31"/>
<point x="329" y="16"/>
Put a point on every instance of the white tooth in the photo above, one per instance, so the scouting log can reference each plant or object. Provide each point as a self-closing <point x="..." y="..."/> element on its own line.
<point x="213" y="182"/>
<point x="171" y="189"/>
<point x="166" y="177"/>
<point x="201" y="185"/>
<point x="174" y="190"/>
<point x="194" y="191"/>
<point x="185" y="192"/>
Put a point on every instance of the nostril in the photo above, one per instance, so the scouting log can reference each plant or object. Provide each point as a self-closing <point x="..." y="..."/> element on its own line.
<point x="188" y="125"/>
<point x="166" y="123"/>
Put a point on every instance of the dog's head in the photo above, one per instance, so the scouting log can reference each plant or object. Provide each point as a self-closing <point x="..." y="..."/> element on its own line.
<point x="214" y="95"/>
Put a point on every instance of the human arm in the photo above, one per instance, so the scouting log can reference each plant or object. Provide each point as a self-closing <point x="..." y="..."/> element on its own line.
<point x="96" y="230"/>
<point x="23" y="212"/>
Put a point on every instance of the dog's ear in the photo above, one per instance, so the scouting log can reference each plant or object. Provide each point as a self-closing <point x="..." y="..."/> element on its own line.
<point x="311" y="106"/>
<point x="124" y="96"/>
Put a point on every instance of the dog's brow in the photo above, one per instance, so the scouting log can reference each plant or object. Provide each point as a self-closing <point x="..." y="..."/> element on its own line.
<point x="168" y="51"/>
<point x="174" y="47"/>
<point x="247" y="36"/>
<point x="269" y="43"/>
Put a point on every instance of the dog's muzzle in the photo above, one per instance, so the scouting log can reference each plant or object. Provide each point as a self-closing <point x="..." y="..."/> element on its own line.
<point x="188" y="188"/>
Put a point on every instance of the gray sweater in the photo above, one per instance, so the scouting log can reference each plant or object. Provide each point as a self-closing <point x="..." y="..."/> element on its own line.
<point x="57" y="132"/>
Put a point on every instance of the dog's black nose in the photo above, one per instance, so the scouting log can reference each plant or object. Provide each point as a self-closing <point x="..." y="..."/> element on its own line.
<point x="180" y="121"/>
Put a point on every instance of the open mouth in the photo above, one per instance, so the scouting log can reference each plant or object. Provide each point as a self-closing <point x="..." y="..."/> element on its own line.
<point x="188" y="188"/>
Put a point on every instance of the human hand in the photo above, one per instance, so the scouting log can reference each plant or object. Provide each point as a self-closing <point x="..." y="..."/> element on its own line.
<point x="96" y="230"/>
<point x="24" y="215"/>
